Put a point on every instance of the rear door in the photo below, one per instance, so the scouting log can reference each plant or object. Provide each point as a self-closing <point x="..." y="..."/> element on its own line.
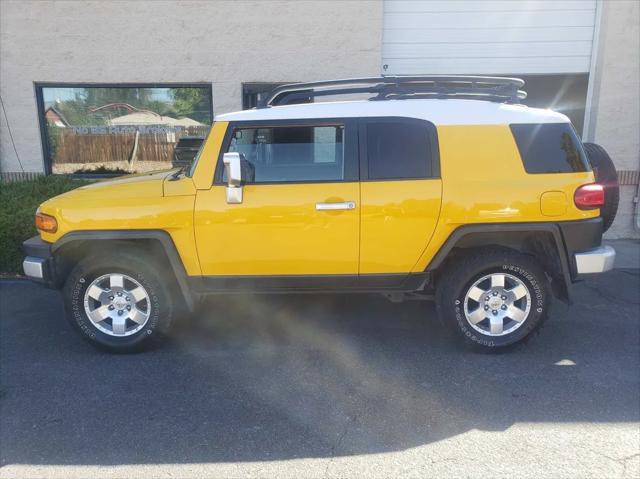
<point x="400" y="192"/>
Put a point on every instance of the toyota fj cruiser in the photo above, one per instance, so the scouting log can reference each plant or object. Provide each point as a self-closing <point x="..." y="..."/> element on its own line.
<point x="439" y="187"/>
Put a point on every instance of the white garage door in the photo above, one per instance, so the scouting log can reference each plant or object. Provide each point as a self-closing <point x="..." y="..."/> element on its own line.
<point x="487" y="36"/>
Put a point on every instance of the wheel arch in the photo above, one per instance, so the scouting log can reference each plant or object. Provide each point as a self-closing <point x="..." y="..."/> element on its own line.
<point x="541" y="240"/>
<point x="69" y="249"/>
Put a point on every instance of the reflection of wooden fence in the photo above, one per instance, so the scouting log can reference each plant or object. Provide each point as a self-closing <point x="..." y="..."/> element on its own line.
<point x="72" y="147"/>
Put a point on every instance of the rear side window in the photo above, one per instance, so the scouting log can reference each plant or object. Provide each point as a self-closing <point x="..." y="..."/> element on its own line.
<point x="398" y="149"/>
<point x="550" y="148"/>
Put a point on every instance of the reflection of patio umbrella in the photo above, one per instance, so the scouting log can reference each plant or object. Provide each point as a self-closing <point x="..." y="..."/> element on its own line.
<point x="151" y="118"/>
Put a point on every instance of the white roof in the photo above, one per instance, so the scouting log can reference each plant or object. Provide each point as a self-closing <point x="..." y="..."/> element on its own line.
<point x="439" y="112"/>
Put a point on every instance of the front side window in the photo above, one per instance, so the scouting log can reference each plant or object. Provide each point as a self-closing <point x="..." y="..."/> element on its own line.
<point x="115" y="129"/>
<point x="549" y="148"/>
<point x="292" y="153"/>
<point x="398" y="150"/>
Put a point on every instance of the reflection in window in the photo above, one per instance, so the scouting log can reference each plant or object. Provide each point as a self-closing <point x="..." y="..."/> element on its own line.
<point x="120" y="130"/>
<point x="549" y="148"/>
<point x="301" y="153"/>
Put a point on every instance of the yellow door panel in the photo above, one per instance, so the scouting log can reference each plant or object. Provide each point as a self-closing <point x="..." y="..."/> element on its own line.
<point x="277" y="230"/>
<point x="398" y="219"/>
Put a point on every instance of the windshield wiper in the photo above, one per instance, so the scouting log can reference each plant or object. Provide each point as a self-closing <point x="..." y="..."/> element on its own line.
<point x="176" y="174"/>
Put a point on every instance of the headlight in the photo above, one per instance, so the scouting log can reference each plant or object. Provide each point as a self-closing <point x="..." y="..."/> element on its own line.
<point x="46" y="223"/>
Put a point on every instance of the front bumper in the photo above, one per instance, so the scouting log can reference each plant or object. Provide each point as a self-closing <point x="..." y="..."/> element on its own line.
<point x="38" y="264"/>
<point x="34" y="267"/>
<point x="596" y="260"/>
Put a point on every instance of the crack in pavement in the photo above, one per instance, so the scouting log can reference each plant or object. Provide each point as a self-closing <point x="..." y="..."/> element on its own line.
<point x="338" y="443"/>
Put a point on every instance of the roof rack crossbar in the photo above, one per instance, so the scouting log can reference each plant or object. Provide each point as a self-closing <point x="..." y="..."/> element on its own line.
<point x="397" y="87"/>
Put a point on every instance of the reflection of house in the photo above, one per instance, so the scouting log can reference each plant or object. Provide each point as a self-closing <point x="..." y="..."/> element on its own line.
<point x="55" y="118"/>
<point x="151" y="118"/>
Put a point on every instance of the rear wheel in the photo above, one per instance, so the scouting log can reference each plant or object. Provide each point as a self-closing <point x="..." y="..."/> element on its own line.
<point x="118" y="302"/>
<point x="494" y="298"/>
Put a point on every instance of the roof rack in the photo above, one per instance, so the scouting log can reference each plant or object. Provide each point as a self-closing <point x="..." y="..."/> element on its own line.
<point x="496" y="89"/>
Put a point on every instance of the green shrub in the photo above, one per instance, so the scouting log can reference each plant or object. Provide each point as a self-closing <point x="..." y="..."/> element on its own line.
<point x="18" y="203"/>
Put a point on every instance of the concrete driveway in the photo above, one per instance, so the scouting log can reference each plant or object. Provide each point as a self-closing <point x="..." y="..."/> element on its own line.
<point x="323" y="386"/>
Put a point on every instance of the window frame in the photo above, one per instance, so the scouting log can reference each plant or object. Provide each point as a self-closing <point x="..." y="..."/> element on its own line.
<point x="42" y="124"/>
<point x="364" y="158"/>
<point x="350" y="154"/>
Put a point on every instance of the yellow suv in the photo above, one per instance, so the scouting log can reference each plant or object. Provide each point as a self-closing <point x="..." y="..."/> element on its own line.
<point x="441" y="187"/>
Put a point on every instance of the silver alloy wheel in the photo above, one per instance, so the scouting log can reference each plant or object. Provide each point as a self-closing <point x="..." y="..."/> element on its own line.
<point x="497" y="304"/>
<point x="117" y="304"/>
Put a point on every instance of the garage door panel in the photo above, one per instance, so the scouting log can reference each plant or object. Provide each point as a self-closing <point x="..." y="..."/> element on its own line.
<point x="561" y="18"/>
<point x="484" y="35"/>
<point x="487" y="36"/>
<point x="500" y="66"/>
<point x="401" y="6"/>
<point x="480" y="50"/>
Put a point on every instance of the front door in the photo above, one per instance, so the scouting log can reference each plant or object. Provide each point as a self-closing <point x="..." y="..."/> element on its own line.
<point x="298" y="221"/>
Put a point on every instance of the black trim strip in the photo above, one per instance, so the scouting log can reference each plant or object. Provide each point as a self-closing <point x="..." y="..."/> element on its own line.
<point x="310" y="283"/>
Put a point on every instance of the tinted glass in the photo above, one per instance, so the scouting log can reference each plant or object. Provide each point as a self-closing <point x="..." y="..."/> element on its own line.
<point x="549" y="148"/>
<point x="290" y="154"/>
<point x="119" y="130"/>
<point x="398" y="150"/>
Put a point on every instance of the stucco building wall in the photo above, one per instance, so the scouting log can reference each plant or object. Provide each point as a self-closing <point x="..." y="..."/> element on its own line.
<point x="615" y="117"/>
<point x="225" y="43"/>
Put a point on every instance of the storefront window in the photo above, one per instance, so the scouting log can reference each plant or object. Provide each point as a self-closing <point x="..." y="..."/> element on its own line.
<point x="120" y="129"/>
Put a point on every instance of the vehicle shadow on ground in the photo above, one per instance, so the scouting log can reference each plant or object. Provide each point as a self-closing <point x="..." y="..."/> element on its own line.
<point x="259" y="378"/>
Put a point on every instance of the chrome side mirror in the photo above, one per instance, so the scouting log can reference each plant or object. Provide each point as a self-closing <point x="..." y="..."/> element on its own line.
<point x="233" y="171"/>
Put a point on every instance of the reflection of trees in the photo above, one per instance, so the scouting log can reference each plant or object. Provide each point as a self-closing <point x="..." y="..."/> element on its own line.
<point x="53" y="139"/>
<point x="191" y="102"/>
<point x="572" y="155"/>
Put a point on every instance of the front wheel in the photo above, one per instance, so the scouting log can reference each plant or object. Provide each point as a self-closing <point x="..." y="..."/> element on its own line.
<point x="494" y="298"/>
<point x="118" y="302"/>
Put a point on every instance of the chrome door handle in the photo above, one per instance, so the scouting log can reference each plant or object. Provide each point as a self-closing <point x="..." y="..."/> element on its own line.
<point x="342" y="205"/>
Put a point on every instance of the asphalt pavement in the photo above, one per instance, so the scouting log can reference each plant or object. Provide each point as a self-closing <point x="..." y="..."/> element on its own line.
<point x="323" y="386"/>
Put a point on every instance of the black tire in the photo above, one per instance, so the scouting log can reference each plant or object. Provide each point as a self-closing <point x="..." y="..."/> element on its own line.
<point x="461" y="275"/>
<point x="136" y="266"/>
<point x="606" y="175"/>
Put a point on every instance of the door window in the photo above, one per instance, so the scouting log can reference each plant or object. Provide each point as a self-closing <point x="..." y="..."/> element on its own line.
<point x="399" y="149"/>
<point x="292" y="153"/>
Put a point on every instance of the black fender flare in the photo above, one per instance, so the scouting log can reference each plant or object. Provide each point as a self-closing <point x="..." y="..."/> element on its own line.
<point x="163" y="238"/>
<point x="465" y="231"/>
